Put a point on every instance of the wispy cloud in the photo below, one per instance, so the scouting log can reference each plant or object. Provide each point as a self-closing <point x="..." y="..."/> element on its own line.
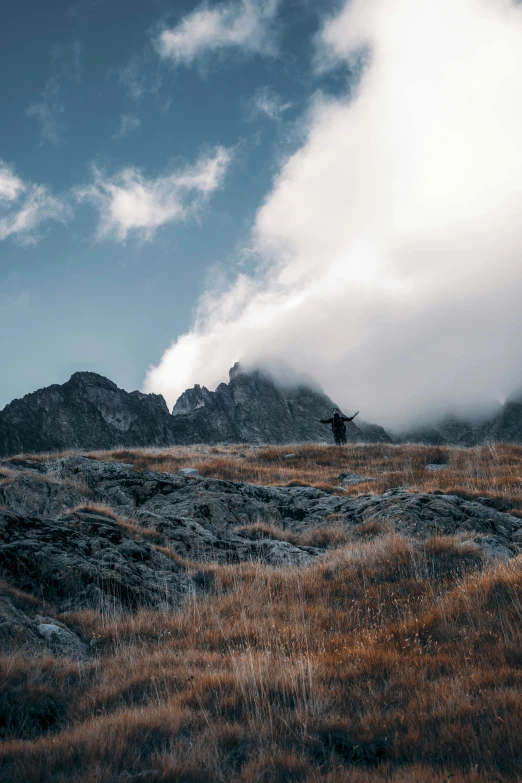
<point x="268" y="102"/>
<point x="24" y="206"/>
<point x="139" y="77"/>
<point x="130" y="203"/>
<point x="47" y="111"/>
<point x="128" y="123"/>
<point x="49" y="108"/>
<point x="245" y="25"/>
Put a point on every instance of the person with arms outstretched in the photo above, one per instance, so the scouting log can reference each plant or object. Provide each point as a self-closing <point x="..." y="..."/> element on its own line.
<point x="338" y="426"/>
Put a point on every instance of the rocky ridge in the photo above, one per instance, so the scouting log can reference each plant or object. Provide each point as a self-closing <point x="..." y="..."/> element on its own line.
<point x="91" y="412"/>
<point x="503" y="426"/>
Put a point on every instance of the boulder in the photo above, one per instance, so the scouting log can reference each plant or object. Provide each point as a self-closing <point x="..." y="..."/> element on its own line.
<point x="189" y="472"/>
<point x="60" y="640"/>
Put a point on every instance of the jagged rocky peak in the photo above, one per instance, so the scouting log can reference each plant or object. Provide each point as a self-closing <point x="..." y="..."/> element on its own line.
<point x="191" y="400"/>
<point x="86" y="378"/>
<point x="236" y="370"/>
<point x="87" y="412"/>
<point x="506" y="427"/>
<point x="254" y="408"/>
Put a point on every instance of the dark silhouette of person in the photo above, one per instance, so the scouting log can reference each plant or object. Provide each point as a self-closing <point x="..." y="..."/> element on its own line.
<point x="338" y="426"/>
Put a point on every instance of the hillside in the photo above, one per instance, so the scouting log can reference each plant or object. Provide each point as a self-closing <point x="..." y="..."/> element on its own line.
<point x="205" y="614"/>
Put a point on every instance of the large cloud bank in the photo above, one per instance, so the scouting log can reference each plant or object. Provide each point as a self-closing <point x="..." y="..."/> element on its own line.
<point x="391" y="242"/>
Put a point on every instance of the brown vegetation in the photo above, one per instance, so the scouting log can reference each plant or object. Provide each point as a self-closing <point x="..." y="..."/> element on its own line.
<point x="494" y="470"/>
<point x="385" y="662"/>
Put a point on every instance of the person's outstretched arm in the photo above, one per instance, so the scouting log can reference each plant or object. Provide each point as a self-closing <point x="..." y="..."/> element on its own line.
<point x="324" y="421"/>
<point x="350" y="418"/>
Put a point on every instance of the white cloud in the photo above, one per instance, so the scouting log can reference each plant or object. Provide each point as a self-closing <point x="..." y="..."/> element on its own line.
<point x="129" y="202"/>
<point x="267" y="101"/>
<point x="391" y="242"/>
<point x="128" y="123"/>
<point x="241" y="24"/>
<point x="24" y="206"/>
<point x="10" y="185"/>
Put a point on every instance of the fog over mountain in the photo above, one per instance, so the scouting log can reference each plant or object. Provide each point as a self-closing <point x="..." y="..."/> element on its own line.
<point x="390" y="245"/>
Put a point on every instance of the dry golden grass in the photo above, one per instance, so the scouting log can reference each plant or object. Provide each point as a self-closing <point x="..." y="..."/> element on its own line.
<point x="384" y="662"/>
<point x="493" y="470"/>
<point x="328" y="536"/>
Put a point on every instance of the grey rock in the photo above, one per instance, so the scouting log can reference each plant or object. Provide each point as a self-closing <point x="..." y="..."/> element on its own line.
<point x="86" y="560"/>
<point x="199" y="519"/>
<point x="373" y="433"/>
<point x="40" y="495"/>
<point x="19" y="632"/>
<point x="506" y="427"/>
<point x="349" y="479"/>
<point x="435" y="466"/>
<point x="82" y="558"/>
<point x="187" y="472"/>
<point x="494" y="546"/>
<point x="60" y="640"/>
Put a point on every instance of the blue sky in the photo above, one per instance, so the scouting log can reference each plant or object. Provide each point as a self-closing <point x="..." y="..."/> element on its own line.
<point x="88" y="92"/>
<point x="333" y="187"/>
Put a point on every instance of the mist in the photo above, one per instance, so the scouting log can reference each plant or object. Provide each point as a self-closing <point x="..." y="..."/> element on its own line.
<point x="390" y="244"/>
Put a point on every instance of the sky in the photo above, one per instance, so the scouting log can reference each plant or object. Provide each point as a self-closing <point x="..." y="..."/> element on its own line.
<point x="322" y="188"/>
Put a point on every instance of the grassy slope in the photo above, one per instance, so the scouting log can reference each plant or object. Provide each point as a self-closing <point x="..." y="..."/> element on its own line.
<point x="382" y="662"/>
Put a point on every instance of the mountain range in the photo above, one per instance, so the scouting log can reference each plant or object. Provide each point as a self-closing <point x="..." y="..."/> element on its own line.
<point x="91" y="412"/>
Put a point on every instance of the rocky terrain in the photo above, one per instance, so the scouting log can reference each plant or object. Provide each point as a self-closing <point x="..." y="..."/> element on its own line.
<point x="78" y="532"/>
<point x="159" y="624"/>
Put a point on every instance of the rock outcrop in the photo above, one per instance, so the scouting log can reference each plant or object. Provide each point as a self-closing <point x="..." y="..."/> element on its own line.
<point x="86" y="560"/>
<point x="81" y="533"/>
